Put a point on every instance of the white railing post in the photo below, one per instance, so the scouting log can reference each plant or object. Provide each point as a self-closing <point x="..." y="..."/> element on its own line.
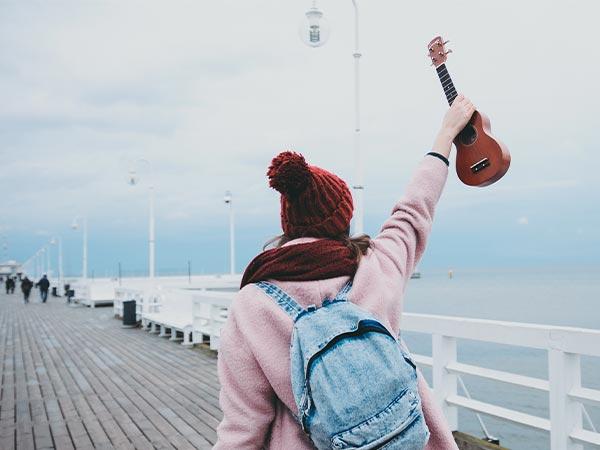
<point x="564" y="373"/>
<point x="444" y="382"/>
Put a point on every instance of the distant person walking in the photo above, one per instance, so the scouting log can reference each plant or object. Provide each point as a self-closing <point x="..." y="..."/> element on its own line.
<point x="10" y="285"/>
<point x="44" y="285"/>
<point x="26" y="286"/>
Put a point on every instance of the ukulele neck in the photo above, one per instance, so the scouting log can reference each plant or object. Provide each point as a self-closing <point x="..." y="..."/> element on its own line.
<point x="447" y="83"/>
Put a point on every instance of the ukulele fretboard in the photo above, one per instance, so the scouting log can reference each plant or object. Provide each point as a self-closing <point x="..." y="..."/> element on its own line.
<point x="447" y="83"/>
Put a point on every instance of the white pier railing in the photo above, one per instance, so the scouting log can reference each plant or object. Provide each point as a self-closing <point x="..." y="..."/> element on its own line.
<point x="144" y="299"/>
<point x="564" y="346"/>
<point x="210" y="314"/>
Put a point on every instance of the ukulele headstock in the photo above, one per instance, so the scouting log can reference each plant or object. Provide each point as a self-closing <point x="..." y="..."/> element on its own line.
<point x="437" y="51"/>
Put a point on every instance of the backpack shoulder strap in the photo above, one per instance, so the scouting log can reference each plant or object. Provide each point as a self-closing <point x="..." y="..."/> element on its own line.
<point x="343" y="294"/>
<point x="287" y="303"/>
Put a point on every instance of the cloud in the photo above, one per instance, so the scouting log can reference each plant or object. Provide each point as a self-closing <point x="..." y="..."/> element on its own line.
<point x="523" y="220"/>
<point x="210" y="92"/>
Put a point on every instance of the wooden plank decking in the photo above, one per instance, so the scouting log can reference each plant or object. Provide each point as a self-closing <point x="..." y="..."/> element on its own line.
<point x="73" y="378"/>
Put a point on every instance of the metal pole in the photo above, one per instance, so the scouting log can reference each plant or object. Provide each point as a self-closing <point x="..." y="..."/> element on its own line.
<point x="119" y="273"/>
<point x="85" y="248"/>
<point x="151" y="235"/>
<point x="231" y="240"/>
<point x="48" y="269"/>
<point x="60" y="268"/>
<point x="358" y="166"/>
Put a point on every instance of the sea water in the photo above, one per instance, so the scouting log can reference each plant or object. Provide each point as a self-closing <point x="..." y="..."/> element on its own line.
<point x="549" y="296"/>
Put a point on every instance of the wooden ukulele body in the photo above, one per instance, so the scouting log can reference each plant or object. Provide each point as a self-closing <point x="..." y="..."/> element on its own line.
<point x="481" y="159"/>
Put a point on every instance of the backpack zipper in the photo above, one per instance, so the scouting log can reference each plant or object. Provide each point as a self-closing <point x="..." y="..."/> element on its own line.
<point x="373" y="326"/>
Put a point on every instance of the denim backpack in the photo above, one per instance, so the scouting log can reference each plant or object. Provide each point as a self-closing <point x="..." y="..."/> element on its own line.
<point x="354" y="384"/>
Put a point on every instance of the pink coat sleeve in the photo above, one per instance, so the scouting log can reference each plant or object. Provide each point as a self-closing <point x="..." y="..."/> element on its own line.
<point x="246" y="398"/>
<point x="441" y="438"/>
<point x="403" y="236"/>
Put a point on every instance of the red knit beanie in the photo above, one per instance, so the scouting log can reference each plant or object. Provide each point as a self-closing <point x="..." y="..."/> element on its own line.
<point x="314" y="202"/>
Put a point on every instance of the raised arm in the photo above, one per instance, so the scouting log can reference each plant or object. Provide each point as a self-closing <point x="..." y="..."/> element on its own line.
<point x="454" y="121"/>
<point x="403" y="237"/>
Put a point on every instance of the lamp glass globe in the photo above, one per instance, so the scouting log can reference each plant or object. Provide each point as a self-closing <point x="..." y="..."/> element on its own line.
<point x="314" y="28"/>
<point x="132" y="178"/>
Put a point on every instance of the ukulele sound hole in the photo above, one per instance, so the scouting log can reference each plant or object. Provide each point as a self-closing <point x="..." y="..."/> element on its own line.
<point x="468" y="135"/>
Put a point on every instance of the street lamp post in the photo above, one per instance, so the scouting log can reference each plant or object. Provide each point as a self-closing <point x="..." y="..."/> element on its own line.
<point x="48" y="265"/>
<point x="151" y="238"/>
<point x="75" y="226"/>
<point x="133" y="180"/>
<point x="58" y="242"/>
<point x="26" y="266"/>
<point x="37" y="264"/>
<point x="229" y="201"/>
<point x="314" y="33"/>
<point x="43" y="261"/>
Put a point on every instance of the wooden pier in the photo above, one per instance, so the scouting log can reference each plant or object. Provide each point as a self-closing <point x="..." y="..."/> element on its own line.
<point x="72" y="377"/>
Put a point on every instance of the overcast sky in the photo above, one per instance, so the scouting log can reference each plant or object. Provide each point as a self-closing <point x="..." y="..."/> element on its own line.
<point x="209" y="92"/>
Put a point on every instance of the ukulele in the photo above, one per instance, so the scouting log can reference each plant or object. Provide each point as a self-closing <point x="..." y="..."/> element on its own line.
<point x="481" y="159"/>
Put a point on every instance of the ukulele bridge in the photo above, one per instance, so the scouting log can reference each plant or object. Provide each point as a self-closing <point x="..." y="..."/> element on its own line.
<point x="480" y="165"/>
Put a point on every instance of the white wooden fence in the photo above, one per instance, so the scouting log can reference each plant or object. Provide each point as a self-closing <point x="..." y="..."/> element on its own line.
<point x="144" y="298"/>
<point x="170" y="309"/>
<point x="210" y="314"/>
<point x="564" y="345"/>
<point x="92" y="293"/>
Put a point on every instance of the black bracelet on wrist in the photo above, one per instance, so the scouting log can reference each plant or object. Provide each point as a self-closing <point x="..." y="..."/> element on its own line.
<point x="442" y="157"/>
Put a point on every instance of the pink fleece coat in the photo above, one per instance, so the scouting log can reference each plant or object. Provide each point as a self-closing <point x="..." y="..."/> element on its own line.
<point x="254" y="356"/>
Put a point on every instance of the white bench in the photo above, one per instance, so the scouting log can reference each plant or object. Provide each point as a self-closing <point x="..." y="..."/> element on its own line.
<point x="90" y="293"/>
<point x="143" y="299"/>
<point x="210" y="311"/>
<point x="171" y="309"/>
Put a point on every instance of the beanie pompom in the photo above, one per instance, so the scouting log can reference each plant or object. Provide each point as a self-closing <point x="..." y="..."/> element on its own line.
<point x="289" y="173"/>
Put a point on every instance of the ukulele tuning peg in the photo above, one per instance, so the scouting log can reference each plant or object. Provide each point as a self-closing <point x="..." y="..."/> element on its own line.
<point x="445" y="42"/>
<point x="449" y="51"/>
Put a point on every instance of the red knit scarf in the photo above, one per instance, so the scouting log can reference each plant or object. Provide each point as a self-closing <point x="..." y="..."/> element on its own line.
<point x="318" y="260"/>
